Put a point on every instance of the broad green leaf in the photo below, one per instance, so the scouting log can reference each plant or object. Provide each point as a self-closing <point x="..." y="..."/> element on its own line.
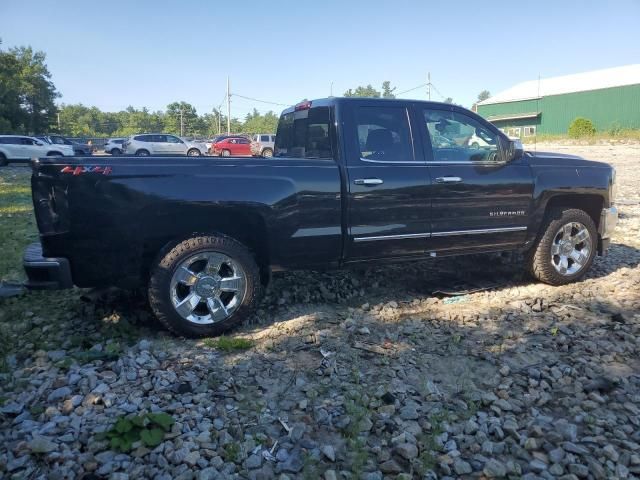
<point x="152" y="438"/>
<point x="161" y="419"/>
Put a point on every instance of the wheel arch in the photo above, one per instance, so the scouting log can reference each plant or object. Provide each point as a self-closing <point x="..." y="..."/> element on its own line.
<point x="589" y="202"/>
<point x="246" y="226"/>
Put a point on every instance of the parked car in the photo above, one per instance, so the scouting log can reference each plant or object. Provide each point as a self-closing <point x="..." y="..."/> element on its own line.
<point x="114" y="146"/>
<point x="263" y="144"/>
<point x="236" y="146"/>
<point x="81" y="149"/>
<point x="476" y="141"/>
<point x="202" y="237"/>
<point x="161" y="144"/>
<point x="20" y="148"/>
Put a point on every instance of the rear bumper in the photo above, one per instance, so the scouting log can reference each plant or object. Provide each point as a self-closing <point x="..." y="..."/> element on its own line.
<point x="45" y="273"/>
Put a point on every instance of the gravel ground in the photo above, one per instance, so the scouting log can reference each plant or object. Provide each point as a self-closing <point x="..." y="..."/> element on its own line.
<point x="364" y="374"/>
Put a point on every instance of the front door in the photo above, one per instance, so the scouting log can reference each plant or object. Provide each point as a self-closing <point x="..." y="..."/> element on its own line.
<point x="175" y="146"/>
<point x="388" y="183"/>
<point x="479" y="199"/>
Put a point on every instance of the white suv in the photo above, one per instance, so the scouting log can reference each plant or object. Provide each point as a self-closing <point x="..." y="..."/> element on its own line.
<point x="114" y="146"/>
<point x="161" y="144"/>
<point x="263" y="144"/>
<point x="20" y="148"/>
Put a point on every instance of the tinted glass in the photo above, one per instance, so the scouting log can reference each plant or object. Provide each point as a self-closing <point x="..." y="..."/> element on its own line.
<point x="384" y="134"/>
<point x="243" y="141"/>
<point x="273" y="138"/>
<point x="141" y="138"/>
<point x="27" y="141"/>
<point x="11" y="140"/>
<point x="172" y="139"/>
<point x="264" y="138"/>
<point x="456" y="137"/>
<point x="304" y="134"/>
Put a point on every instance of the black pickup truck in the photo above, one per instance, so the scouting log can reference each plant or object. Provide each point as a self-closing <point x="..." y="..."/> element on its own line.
<point x="352" y="181"/>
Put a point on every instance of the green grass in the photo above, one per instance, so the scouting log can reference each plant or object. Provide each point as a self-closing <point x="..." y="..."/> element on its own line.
<point x="228" y="344"/>
<point x="17" y="223"/>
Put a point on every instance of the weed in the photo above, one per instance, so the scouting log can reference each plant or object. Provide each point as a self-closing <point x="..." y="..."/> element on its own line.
<point x="357" y="410"/>
<point x="228" y="344"/>
<point x="148" y="429"/>
<point x="232" y="452"/>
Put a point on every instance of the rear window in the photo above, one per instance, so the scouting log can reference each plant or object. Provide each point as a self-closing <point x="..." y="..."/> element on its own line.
<point x="142" y="138"/>
<point x="304" y="134"/>
<point x="264" y="138"/>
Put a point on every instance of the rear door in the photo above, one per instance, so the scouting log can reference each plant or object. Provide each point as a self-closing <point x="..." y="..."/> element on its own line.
<point x="243" y="146"/>
<point x="479" y="200"/>
<point x="388" y="182"/>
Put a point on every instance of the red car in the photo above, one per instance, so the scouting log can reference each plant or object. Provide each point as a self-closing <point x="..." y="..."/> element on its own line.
<point x="232" y="146"/>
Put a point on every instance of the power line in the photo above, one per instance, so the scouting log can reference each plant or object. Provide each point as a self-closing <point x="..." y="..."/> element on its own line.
<point x="261" y="101"/>
<point x="412" y="89"/>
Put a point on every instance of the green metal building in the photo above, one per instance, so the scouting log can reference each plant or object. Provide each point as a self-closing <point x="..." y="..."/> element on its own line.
<point x="610" y="98"/>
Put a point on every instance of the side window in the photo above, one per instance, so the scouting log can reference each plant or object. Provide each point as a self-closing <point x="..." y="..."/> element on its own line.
<point x="26" y="141"/>
<point x="384" y="134"/>
<point x="243" y="141"/>
<point x="158" y="138"/>
<point x="304" y="134"/>
<point x="273" y="138"/>
<point x="172" y="139"/>
<point x="264" y="138"/>
<point x="456" y="137"/>
<point x="57" y="140"/>
<point x="140" y="138"/>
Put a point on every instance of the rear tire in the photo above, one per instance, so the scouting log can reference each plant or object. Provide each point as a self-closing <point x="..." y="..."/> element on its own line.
<point x="267" y="153"/>
<point x="142" y="153"/>
<point x="116" y="152"/>
<point x="194" y="152"/>
<point x="225" y="153"/>
<point x="565" y="248"/>
<point x="170" y="288"/>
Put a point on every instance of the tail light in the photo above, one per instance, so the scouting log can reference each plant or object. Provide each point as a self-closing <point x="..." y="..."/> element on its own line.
<point x="303" y="106"/>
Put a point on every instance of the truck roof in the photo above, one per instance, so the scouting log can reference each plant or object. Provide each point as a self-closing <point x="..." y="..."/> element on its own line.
<point x="329" y="101"/>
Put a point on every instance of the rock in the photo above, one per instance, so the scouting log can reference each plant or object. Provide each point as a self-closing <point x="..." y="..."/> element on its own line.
<point x="254" y="461"/>
<point x="330" y="475"/>
<point x="611" y="453"/>
<point x="581" y="471"/>
<point x="192" y="458"/>
<point x="537" y="465"/>
<point x="573" y="448"/>
<point x="409" y="412"/>
<point x="40" y="444"/>
<point x="494" y="469"/>
<point x="293" y="463"/>
<point x="390" y="466"/>
<point x="56" y="355"/>
<point x="569" y="431"/>
<point x="461" y="467"/>
<point x="504" y="371"/>
<point x="407" y="451"/>
<point x="58" y="394"/>
<point x="556" y="455"/>
<point x="12" y="408"/>
<point x="329" y="452"/>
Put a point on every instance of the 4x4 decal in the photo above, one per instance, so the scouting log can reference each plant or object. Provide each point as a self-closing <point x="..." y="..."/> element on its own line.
<point x="86" y="169"/>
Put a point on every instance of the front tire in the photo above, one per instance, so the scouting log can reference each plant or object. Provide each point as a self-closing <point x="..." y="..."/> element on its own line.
<point x="142" y="153"/>
<point x="204" y="286"/>
<point x="225" y="153"/>
<point x="115" y="152"/>
<point x="566" y="248"/>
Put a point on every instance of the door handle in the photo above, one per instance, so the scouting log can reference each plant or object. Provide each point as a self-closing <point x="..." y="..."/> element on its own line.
<point x="448" y="180"/>
<point x="368" y="181"/>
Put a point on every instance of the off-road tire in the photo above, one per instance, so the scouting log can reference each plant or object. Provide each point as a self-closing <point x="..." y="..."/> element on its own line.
<point x="267" y="153"/>
<point x="539" y="258"/>
<point x="159" y="284"/>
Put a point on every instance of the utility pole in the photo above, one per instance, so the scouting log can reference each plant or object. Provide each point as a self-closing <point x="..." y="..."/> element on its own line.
<point x="228" y="108"/>
<point x="219" y="120"/>
<point x="181" y="124"/>
<point x="331" y="90"/>
<point x="429" y="85"/>
<point x="59" y="123"/>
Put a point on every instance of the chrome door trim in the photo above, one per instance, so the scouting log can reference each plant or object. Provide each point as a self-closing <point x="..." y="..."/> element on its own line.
<point x="478" y="231"/>
<point x="439" y="234"/>
<point x="391" y="237"/>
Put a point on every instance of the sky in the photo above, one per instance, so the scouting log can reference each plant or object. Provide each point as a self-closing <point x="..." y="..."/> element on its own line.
<point x="153" y="52"/>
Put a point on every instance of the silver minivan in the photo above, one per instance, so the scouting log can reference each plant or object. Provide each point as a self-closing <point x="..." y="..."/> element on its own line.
<point x="162" y="144"/>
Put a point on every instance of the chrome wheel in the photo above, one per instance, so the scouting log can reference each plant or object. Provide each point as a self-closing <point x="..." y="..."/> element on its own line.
<point x="571" y="248"/>
<point x="207" y="287"/>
